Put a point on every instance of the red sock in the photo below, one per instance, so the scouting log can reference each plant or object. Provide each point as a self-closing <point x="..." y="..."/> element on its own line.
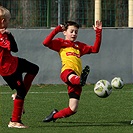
<point x="28" y="81"/>
<point x="17" y="110"/>
<point x="66" y="112"/>
<point x="75" y="80"/>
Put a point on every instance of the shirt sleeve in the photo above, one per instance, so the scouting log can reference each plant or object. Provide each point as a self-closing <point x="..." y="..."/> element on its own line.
<point x="55" y="44"/>
<point x="13" y="44"/>
<point x="95" y="48"/>
<point x="87" y="49"/>
<point x="51" y="43"/>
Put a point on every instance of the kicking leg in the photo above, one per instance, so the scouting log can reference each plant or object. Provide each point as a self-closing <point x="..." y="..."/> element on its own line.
<point x="66" y="112"/>
<point x="79" y="80"/>
<point x="84" y="75"/>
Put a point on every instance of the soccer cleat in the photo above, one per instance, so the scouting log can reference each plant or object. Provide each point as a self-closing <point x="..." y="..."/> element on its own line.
<point x="84" y="75"/>
<point x="13" y="98"/>
<point x="50" y="117"/>
<point x="16" y="125"/>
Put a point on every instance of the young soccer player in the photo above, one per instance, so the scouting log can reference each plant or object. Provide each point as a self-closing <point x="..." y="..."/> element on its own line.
<point x="12" y="68"/>
<point x="70" y="52"/>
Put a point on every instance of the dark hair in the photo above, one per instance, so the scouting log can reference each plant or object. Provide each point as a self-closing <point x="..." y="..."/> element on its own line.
<point x="70" y="23"/>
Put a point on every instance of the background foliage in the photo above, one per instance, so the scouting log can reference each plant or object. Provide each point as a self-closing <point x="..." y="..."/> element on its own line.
<point x="49" y="13"/>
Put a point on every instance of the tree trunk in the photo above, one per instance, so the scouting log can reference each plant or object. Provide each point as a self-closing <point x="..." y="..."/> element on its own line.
<point x="73" y="12"/>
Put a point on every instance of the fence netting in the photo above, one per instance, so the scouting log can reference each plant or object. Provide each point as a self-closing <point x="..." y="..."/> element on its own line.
<point x="50" y="13"/>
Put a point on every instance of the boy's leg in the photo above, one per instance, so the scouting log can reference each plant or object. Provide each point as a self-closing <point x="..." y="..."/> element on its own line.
<point x="18" y="107"/>
<point x="18" y="102"/>
<point x="66" y="112"/>
<point x="55" y="114"/>
<point x="30" y="69"/>
<point x="74" y="92"/>
<point x="28" y="81"/>
<point x="75" y="79"/>
<point x="17" y="110"/>
<point x="31" y="72"/>
<point x="16" y="114"/>
<point x="15" y="121"/>
<point x="13" y="98"/>
<point x="84" y="75"/>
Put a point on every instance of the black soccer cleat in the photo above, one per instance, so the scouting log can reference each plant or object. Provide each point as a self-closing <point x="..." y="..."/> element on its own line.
<point x="84" y="75"/>
<point x="50" y="117"/>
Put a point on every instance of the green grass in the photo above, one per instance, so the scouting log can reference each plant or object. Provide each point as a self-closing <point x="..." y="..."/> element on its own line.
<point x="95" y="115"/>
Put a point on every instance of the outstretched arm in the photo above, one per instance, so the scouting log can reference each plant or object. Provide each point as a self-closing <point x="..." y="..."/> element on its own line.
<point x="49" y="38"/>
<point x="98" y="29"/>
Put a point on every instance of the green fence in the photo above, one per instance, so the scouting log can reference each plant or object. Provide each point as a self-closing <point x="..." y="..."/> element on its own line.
<point x="50" y="13"/>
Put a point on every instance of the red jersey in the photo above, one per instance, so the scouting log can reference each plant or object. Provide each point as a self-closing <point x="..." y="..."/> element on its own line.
<point x="70" y="52"/>
<point x="8" y="63"/>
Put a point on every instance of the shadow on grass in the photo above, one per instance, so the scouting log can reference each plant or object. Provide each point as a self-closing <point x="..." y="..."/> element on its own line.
<point x="82" y="124"/>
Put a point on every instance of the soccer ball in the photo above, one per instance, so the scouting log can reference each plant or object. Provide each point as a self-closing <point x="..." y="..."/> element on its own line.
<point x="117" y="83"/>
<point x="102" y="88"/>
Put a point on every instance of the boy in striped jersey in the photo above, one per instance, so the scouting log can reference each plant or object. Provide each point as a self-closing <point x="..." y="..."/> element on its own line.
<point x="70" y="52"/>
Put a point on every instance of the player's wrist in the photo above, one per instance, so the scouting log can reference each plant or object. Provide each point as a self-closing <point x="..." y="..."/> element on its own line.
<point x="98" y="30"/>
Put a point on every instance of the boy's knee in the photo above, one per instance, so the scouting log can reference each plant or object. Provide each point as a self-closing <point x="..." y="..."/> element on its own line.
<point x="21" y="94"/>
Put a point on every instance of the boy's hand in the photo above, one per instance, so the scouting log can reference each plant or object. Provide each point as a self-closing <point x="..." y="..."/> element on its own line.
<point x="62" y="26"/>
<point x="98" y="25"/>
<point x="2" y="31"/>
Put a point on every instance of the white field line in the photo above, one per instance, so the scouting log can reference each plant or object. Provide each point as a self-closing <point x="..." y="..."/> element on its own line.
<point x="35" y="92"/>
<point x="60" y="92"/>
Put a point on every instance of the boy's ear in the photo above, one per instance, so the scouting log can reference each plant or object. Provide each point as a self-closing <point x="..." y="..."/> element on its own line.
<point x="64" y="32"/>
<point x="2" y="20"/>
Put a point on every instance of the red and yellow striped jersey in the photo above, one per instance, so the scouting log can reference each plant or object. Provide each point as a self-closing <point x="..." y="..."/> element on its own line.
<point x="70" y="52"/>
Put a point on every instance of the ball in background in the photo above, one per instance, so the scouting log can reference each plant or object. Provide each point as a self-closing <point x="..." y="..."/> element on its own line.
<point x="117" y="83"/>
<point x="102" y="88"/>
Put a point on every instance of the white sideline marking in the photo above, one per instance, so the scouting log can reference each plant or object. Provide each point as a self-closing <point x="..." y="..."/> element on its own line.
<point x="63" y="92"/>
<point x="35" y="92"/>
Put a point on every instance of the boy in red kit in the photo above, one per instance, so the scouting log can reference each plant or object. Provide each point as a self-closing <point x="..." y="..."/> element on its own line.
<point x="70" y="52"/>
<point x="12" y="68"/>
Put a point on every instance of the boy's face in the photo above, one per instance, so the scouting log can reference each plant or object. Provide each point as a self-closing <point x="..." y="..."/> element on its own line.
<point x="71" y="33"/>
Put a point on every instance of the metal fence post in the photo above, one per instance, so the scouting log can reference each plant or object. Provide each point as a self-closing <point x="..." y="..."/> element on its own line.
<point x="59" y="12"/>
<point x="48" y="13"/>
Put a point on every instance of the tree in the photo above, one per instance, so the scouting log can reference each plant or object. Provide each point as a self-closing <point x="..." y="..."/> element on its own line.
<point x="121" y="14"/>
<point x="73" y="12"/>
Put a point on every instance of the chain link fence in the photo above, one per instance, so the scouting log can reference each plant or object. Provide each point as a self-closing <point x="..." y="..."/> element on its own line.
<point x="50" y="13"/>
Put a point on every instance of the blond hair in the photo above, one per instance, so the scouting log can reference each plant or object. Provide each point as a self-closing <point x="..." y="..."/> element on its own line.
<point x="4" y="13"/>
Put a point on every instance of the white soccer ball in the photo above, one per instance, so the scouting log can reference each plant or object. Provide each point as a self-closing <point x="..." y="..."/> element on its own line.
<point x="102" y="88"/>
<point x="117" y="83"/>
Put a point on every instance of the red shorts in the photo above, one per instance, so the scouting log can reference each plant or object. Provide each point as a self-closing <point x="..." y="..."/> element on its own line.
<point x="77" y="89"/>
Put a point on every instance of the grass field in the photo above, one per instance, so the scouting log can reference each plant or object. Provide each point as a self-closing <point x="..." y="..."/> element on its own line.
<point x="95" y="115"/>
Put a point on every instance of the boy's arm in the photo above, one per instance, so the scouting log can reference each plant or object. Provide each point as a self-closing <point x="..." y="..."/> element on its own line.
<point x="49" y="38"/>
<point x="95" y="48"/>
<point x="98" y="30"/>
<point x="13" y="44"/>
<point x="87" y="49"/>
